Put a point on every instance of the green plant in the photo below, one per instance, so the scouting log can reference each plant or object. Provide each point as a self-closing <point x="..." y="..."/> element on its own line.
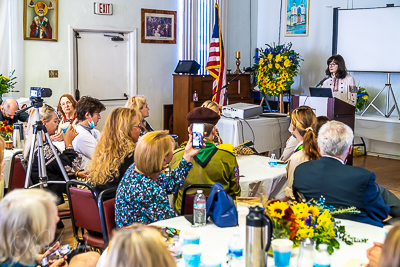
<point x="7" y="83"/>
<point x="362" y="98"/>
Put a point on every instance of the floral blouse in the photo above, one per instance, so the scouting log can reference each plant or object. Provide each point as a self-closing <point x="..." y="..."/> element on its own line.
<point x="141" y="199"/>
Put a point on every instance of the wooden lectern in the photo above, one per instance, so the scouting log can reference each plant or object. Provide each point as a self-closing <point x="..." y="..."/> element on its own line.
<point x="186" y="84"/>
<point x="333" y="108"/>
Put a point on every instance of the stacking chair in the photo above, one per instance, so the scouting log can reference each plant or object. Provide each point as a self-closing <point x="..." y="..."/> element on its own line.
<point x="188" y="199"/>
<point x="17" y="172"/>
<point x="106" y="205"/>
<point x="85" y="214"/>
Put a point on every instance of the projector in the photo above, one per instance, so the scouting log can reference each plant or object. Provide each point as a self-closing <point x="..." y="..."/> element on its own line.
<point x="241" y="110"/>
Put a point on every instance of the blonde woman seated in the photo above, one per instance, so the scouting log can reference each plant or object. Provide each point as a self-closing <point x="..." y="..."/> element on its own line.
<point x="115" y="151"/>
<point x="69" y="157"/>
<point x="139" y="104"/>
<point x="138" y="245"/>
<point x="303" y="126"/>
<point x="28" y="219"/>
<point x="142" y="193"/>
<point x="215" y="107"/>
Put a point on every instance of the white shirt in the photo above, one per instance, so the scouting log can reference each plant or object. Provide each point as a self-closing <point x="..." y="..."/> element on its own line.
<point x="85" y="143"/>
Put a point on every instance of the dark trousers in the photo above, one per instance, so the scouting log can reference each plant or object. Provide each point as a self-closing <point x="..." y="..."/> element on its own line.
<point x="391" y="200"/>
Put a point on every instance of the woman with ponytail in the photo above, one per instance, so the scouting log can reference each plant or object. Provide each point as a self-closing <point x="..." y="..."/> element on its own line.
<point x="303" y="125"/>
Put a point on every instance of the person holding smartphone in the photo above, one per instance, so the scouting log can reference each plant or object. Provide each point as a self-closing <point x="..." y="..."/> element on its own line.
<point x="211" y="165"/>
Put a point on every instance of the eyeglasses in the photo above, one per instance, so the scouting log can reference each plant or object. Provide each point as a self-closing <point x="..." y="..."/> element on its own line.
<point x="65" y="103"/>
<point x="332" y="64"/>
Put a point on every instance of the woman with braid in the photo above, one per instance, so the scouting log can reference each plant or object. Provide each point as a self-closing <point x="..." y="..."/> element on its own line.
<point x="303" y="124"/>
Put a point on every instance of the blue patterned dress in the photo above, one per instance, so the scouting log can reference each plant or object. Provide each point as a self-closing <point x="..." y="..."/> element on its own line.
<point x="141" y="199"/>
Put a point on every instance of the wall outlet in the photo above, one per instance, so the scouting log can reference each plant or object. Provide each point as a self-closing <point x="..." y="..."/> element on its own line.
<point x="53" y="73"/>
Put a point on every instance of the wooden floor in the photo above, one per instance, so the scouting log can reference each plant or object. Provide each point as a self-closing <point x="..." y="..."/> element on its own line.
<point x="387" y="173"/>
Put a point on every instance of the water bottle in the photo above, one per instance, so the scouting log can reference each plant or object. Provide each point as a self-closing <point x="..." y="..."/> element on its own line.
<point x="306" y="254"/>
<point x="195" y="96"/>
<point x="199" y="209"/>
<point x="235" y="252"/>
<point x="273" y="161"/>
<point x="322" y="257"/>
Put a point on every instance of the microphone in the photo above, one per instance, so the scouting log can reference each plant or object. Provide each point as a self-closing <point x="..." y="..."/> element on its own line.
<point x="323" y="80"/>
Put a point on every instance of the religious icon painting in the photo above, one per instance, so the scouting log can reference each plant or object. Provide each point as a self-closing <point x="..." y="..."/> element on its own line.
<point x="297" y="17"/>
<point x="41" y="20"/>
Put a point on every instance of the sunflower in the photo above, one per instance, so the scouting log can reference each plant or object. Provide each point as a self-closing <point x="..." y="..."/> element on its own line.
<point x="313" y="210"/>
<point x="272" y="86"/>
<point x="264" y="83"/>
<point x="277" y="209"/>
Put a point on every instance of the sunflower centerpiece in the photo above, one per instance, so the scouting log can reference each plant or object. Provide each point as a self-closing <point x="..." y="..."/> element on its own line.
<point x="297" y="220"/>
<point x="276" y="68"/>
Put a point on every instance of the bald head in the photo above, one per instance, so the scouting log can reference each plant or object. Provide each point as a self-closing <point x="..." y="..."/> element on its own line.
<point x="8" y="108"/>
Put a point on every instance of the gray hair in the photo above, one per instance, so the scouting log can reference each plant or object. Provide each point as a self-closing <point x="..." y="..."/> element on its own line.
<point x="335" y="139"/>
<point x="25" y="224"/>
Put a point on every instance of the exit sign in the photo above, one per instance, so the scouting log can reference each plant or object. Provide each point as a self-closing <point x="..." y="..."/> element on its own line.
<point x="103" y="8"/>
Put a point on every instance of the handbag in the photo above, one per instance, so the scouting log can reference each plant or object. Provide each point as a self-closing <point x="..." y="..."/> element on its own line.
<point x="221" y="208"/>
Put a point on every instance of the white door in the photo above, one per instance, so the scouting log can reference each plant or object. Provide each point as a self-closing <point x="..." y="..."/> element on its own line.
<point x="103" y="68"/>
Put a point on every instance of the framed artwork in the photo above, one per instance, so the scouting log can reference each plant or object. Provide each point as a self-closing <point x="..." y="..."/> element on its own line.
<point x="158" y="26"/>
<point x="41" y="20"/>
<point x="297" y="17"/>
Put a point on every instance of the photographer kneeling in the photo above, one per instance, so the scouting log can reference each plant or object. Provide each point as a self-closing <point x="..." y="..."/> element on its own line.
<point x="69" y="158"/>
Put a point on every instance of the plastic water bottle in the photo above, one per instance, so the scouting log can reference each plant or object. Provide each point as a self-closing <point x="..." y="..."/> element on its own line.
<point x="322" y="257"/>
<point x="235" y="252"/>
<point x="199" y="209"/>
<point x="273" y="161"/>
<point x="195" y="96"/>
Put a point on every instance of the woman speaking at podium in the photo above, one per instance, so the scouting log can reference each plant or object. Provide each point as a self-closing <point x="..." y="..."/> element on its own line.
<point x="342" y="84"/>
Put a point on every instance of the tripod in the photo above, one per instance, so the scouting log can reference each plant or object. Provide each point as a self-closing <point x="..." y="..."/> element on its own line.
<point x="387" y="112"/>
<point x="38" y="130"/>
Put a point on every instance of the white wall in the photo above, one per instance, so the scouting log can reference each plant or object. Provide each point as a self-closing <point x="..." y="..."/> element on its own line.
<point x="156" y="62"/>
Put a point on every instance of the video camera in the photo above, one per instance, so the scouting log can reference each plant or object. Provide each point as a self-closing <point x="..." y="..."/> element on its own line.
<point x="38" y="92"/>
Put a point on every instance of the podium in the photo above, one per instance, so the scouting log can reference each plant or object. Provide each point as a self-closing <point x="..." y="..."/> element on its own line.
<point x="333" y="108"/>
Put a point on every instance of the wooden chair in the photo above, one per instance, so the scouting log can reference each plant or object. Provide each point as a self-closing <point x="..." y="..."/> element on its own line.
<point x="188" y="199"/>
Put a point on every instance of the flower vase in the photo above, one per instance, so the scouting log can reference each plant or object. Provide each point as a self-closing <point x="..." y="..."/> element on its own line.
<point x="281" y="104"/>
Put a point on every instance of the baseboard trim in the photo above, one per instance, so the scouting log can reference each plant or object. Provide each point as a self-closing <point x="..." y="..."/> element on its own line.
<point x="383" y="155"/>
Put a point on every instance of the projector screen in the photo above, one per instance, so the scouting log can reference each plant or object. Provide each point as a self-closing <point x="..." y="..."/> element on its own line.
<point x="369" y="39"/>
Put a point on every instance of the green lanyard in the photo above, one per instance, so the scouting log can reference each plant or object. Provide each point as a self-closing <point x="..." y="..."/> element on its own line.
<point x="300" y="147"/>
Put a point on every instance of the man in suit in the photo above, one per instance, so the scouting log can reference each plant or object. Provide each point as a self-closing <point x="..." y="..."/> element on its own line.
<point x="8" y="109"/>
<point x="341" y="185"/>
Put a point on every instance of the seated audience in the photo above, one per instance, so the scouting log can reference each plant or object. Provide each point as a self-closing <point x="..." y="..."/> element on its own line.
<point x="142" y="193"/>
<point x="69" y="157"/>
<point x="139" y="104"/>
<point x="138" y="245"/>
<point x="321" y="120"/>
<point x="388" y="253"/>
<point x="114" y="152"/>
<point x="28" y="219"/>
<point x="88" y="115"/>
<point x="8" y="115"/>
<point x="302" y="125"/>
<point x="341" y="185"/>
<point x="211" y="165"/>
<point x="66" y="110"/>
<point x="214" y="106"/>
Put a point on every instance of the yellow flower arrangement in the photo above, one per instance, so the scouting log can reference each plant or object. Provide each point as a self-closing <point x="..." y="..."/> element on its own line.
<point x="277" y="64"/>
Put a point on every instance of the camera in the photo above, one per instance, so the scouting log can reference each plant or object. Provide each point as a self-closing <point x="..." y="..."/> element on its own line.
<point x="39" y="92"/>
<point x="58" y="254"/>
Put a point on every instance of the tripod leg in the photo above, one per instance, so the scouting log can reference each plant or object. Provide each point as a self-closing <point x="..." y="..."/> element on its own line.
<point x="41" y="161"/>
<point x="372" y="103"/>
<point x="395" y="103"/>
<point x="30" y="162"/>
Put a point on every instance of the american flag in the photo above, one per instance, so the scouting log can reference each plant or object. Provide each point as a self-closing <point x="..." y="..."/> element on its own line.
<point x="215" y="64"/>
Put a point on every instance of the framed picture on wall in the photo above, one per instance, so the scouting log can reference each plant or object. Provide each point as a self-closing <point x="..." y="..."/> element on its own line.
<point x="158" y="26"/>
<point x="297" y="17"/>
<point x="41" y="20"/>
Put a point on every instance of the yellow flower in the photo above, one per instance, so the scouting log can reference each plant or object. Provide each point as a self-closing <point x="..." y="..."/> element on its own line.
<point x="283" y="79"/>
<point x="269" y="56"/>
<point x="365" y="97"/>
<point x="278" y="58"/>
<point x="277" y="209"/>
<point x="277" y="66"/>
<point x="304" y="230"/>
<point x="287" y="63"/>
<point x="279" y="84"/>
<point x="299" y="209"/>
<point x="264" y="83"/>
<point x="325" y="219"/>
<point x="264" y="69"/>
<point x="270" y="65"/>
<point x="262" y="61"/>
<point x="285" y="57"/>
<point x="272" y="86"/>
<point x="313" y="210"/>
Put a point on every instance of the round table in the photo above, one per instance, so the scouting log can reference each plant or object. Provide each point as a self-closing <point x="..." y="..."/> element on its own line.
<point x="215" y="240"/>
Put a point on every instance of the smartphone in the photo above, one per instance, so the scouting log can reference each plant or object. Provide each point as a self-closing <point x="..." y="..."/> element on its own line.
<point x="58" y="254"/>
<point x="197" y="135"/>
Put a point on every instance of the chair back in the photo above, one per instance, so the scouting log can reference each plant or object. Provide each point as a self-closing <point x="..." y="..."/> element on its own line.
<point x="17" y="173"/>
<point x="188" y="199"/>
<point x="106" y="205"/>
<point x="83" y="207"/>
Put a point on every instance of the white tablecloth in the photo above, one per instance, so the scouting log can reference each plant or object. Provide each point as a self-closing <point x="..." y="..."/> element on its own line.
<point x="269" y="133"/>
<point x="215" y="240"/>
<point x="258" y="178"/>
